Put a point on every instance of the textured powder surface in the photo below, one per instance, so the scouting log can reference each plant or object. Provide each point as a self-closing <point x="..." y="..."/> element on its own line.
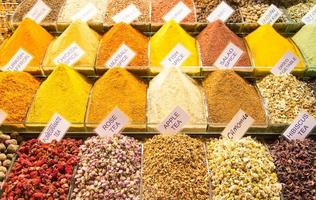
<point x="118" y="88"/>
<point x="32" y="38"/>
<point x="214" y="39"/>
<point x="173" y="88"/>
<point x="16" y="93"/>
<point x="121" y="34"/>
<point x="226" y="93"/>
<point x="268" y="47"/>
<point x="66" y="92"/>
<point x="80" y="33"/>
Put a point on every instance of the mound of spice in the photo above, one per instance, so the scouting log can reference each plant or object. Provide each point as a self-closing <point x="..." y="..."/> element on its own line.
<point x="73" y="7"/>
<point x="8" y="146"/>
<point x="306" y="41"/>
<point x="298" y="11"/>
<point x="109" y="168"/>
<point x="295" y="166"/>
<point x="29" y="37"/>
<point x="242" y="169"/>
<point x="66" y="92"/>
<point x="285" y="97"/>
<point x="160" y="8"/>
<point x="172" y="88"/>
<point x="117" y="6"/>
<point x="226" y="93"/>
<point x="123" y="36"/>
<point x="312" y="85"/>
<point x="16" y="93"/>
<point x="175" y="168"/>
<point x="78" y="33"/>
<point x="118" y="88"/>
<point x="42" y="171"/>
<point x="171" y="37"/>
<point x="267" y="47"/>
<point x="27" y="5"/>
<point x="214" y="39"/>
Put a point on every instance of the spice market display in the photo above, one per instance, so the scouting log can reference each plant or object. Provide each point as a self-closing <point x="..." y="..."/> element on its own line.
<point x="157" y="99"/>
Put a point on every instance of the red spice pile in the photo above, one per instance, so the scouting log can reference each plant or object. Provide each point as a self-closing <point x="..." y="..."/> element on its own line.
<point x="42" y="171"/>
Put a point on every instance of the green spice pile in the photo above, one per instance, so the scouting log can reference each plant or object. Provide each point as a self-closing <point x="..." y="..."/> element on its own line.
<point x="175" y="168"/>
<point x="295" y="164"/>
<point x="285" y="97"/>
<point x="242" y="169"/>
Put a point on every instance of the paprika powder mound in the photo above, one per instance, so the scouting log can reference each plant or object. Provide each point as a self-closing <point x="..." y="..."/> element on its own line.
<point x="118" y="88"/>
<point x="33" y="39"/>
<point x="16" y="93"/>
<point x="226" y="93"/>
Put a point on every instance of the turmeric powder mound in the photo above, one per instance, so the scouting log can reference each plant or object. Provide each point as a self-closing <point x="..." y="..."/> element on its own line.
<point x="121" y="34"/>
<point x="32" y="38"/>
<point x="80" y="33"/>
<point x="16" y="93"/>
<point x="66" y="92"/>
<point x="118" y="88"/>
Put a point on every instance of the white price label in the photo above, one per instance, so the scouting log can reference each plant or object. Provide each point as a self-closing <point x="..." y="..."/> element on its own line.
<point x="70" y="55"/>
<point x="178" y="13"/>
<point x="175" y="122"/>
<point x="222" y="12"/>
<point x="3" y="116"/>
<point x="310" y="17"/>
<point x="38" y="12"/>
<point x="122" y="57"/>
<point x="286" y="64"/>
<point x="127" y="15"/>
<point x="229" y="57"/>
<point x="55" y="129"/>
<point x="176" y="56"/>
<point x="271" y="15"/>
<point x="19" y="61"/>
<point x="113" y="124"/>
<point x="86" y="13"/>
<point x="238" y="126"/>
<point x="303" y="124"/>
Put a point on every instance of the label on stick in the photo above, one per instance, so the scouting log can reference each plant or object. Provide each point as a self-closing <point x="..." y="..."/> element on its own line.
<point x="122" y="57"/>
<point x="113" y="124"/>
<point x="222" y="12"/>
<point x="70" y="55"/>
<point x="86" y="13"/>
<point x="56" y="129"/>
<point x="303" y="124"/>
<point x="178" y="13"/>
<point x="286" y="64"/>
<point x="229" y="57"/>
<point x="238" y="126"/>
<point x="310" y="17"/>
<point x="271" y="15"/>
<point x="38" y="12"/>
<point x="175" y="122"/>
<point x="176" y="56"/>
<point x="19" y="61"/>
<point x="127" y="15"/>
<point x="3" y="116"/>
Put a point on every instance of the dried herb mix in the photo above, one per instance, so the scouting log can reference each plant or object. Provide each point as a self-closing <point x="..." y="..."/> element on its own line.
<point x="214" y="39"/>
<point x="295" y="166"/>
<point x="226" y="92"/>
<point x="175" y="168"/>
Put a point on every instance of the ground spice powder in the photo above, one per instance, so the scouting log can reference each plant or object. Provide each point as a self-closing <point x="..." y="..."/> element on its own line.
<point x="66" y="92"/>
<point x="80" y="33"/>
<point x="121" y="34"/>
<point x="16" y="93"/>
<point x="226" y="92"/>
<point x="267" y="47"/>
<point x="214" y="39"/>
<point x="118" y="88"/>
<point x="32" y="38"/>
